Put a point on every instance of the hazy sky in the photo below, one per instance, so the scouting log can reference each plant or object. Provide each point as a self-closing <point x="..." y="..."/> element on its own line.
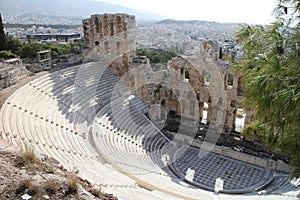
<point x="249" y="11"/>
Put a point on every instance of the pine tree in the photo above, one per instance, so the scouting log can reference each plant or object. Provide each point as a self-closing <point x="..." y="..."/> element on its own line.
<point x="270" y="70"/>
<point x="2" y="36"/>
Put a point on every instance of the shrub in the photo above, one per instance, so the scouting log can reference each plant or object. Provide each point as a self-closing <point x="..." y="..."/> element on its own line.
<point x="27" y="158"/>
<point x="33" y="189"/>
<point x="49" y="169"/>
<point x="30" y="50"/>
<point x="156" y="55"/>
<point x="23" y="185"/>
<point x="96" y="193"/>
<point x="7" y="54"/>
<point x="72" y="185"/>
<point x="52" y="186"/>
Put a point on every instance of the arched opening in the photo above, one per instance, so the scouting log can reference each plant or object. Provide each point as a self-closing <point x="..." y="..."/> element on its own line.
<point x="239" y="121"/>
<point x="112" y="31"/>
<point x="220" y="53"/>
<point x="187" y="74"/>
<point x="163" y="106"/>
<point x="204" y="113"/>
<point x="229" y="81"/>
<point x="181" y="71"/>
<point x="106" y="46"/>
<point x="118" y="22"/>
<point x="96" y="21"/>
<point x="97" y="46"/>
<point x="207" y="79"/>
<point x="106" y="25"/>
<point x="163" y="103"/>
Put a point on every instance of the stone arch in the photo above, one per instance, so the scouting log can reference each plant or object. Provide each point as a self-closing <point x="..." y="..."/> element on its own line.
<point x="186" y="73"/>
<point x="97" y="46"/>
<point x="165" y="111"/>
<point x="106" y="25"/>
<point x="220" y="53"/>
<point x="112" y="27"/>
<point x="229" y="81"/>
<point x="119" y="24"/>
<point x="97" y="24"/>
<point x="207" y="78"/>
<point x="106" y="47"/>
<point x="163" y="103"/>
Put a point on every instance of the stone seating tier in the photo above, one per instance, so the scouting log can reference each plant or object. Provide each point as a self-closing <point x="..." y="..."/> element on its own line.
<point x="81" y="119"/>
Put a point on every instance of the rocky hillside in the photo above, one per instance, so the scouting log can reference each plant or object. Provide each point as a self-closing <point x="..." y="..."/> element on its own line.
<point x="24" y="173"/>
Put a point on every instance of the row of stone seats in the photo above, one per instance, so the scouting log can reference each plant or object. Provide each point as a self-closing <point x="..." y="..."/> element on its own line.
<point x="283" y="185"/>
<point x="47" y="140"/>
<point x="115" y="145"/>
<point x="51" y="120"/>
<point x="65" y="109"/>
<point x="155" y="144"/>
<point x="68" y="107"/>
<point x="130" y="143"/>
<point x="50" y="136"/>
<point x="121" y="141"/>
<point x="118" y="144"/>
<point x="133" y="123"/>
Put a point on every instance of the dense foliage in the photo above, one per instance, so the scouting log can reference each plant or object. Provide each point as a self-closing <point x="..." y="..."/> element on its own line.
<point x="7" y="54"/>
<point x="270" y="71"/>
<point x="2" y="35"/>
<point x="11" y="47"/>
<point x="30" y="50"/>
<point x="156" y="55"/>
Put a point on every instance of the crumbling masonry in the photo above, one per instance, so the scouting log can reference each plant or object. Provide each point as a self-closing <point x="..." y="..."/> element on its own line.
<point x="188" y="84"/>
<point x="110" y="38"/>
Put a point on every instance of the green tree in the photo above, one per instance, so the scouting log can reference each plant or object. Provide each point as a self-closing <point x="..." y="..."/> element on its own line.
<point x="13" y="44"/>
<point x="7" y="54"/>
<point x="2" y="36"/>
<point x="6" y="42"/>
<point x="30" y="50"/>
<point x="156" y="55"/>
<point x="270" y="69"/>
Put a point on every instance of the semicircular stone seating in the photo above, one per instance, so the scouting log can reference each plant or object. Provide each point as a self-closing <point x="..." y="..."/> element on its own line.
<point x="81" y="117"/>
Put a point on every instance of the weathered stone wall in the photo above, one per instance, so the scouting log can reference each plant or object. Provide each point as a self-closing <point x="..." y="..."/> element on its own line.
<point x="184" y="87"/>
<point x="11" y="73"/>
<point x="110" y="38"/>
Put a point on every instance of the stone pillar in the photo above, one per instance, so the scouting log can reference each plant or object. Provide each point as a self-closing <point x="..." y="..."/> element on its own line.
<point x="201" y="108"/>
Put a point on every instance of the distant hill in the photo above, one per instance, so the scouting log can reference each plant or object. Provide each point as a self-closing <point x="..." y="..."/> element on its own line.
<point x="82" y="8"/>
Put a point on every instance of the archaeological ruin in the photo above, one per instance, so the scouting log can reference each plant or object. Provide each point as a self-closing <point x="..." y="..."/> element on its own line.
<point x="211" y="93"/>
<point x="106" y="119"/>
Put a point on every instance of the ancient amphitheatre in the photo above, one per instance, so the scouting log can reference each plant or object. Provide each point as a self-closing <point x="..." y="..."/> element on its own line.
<point x="91" y="118"/>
